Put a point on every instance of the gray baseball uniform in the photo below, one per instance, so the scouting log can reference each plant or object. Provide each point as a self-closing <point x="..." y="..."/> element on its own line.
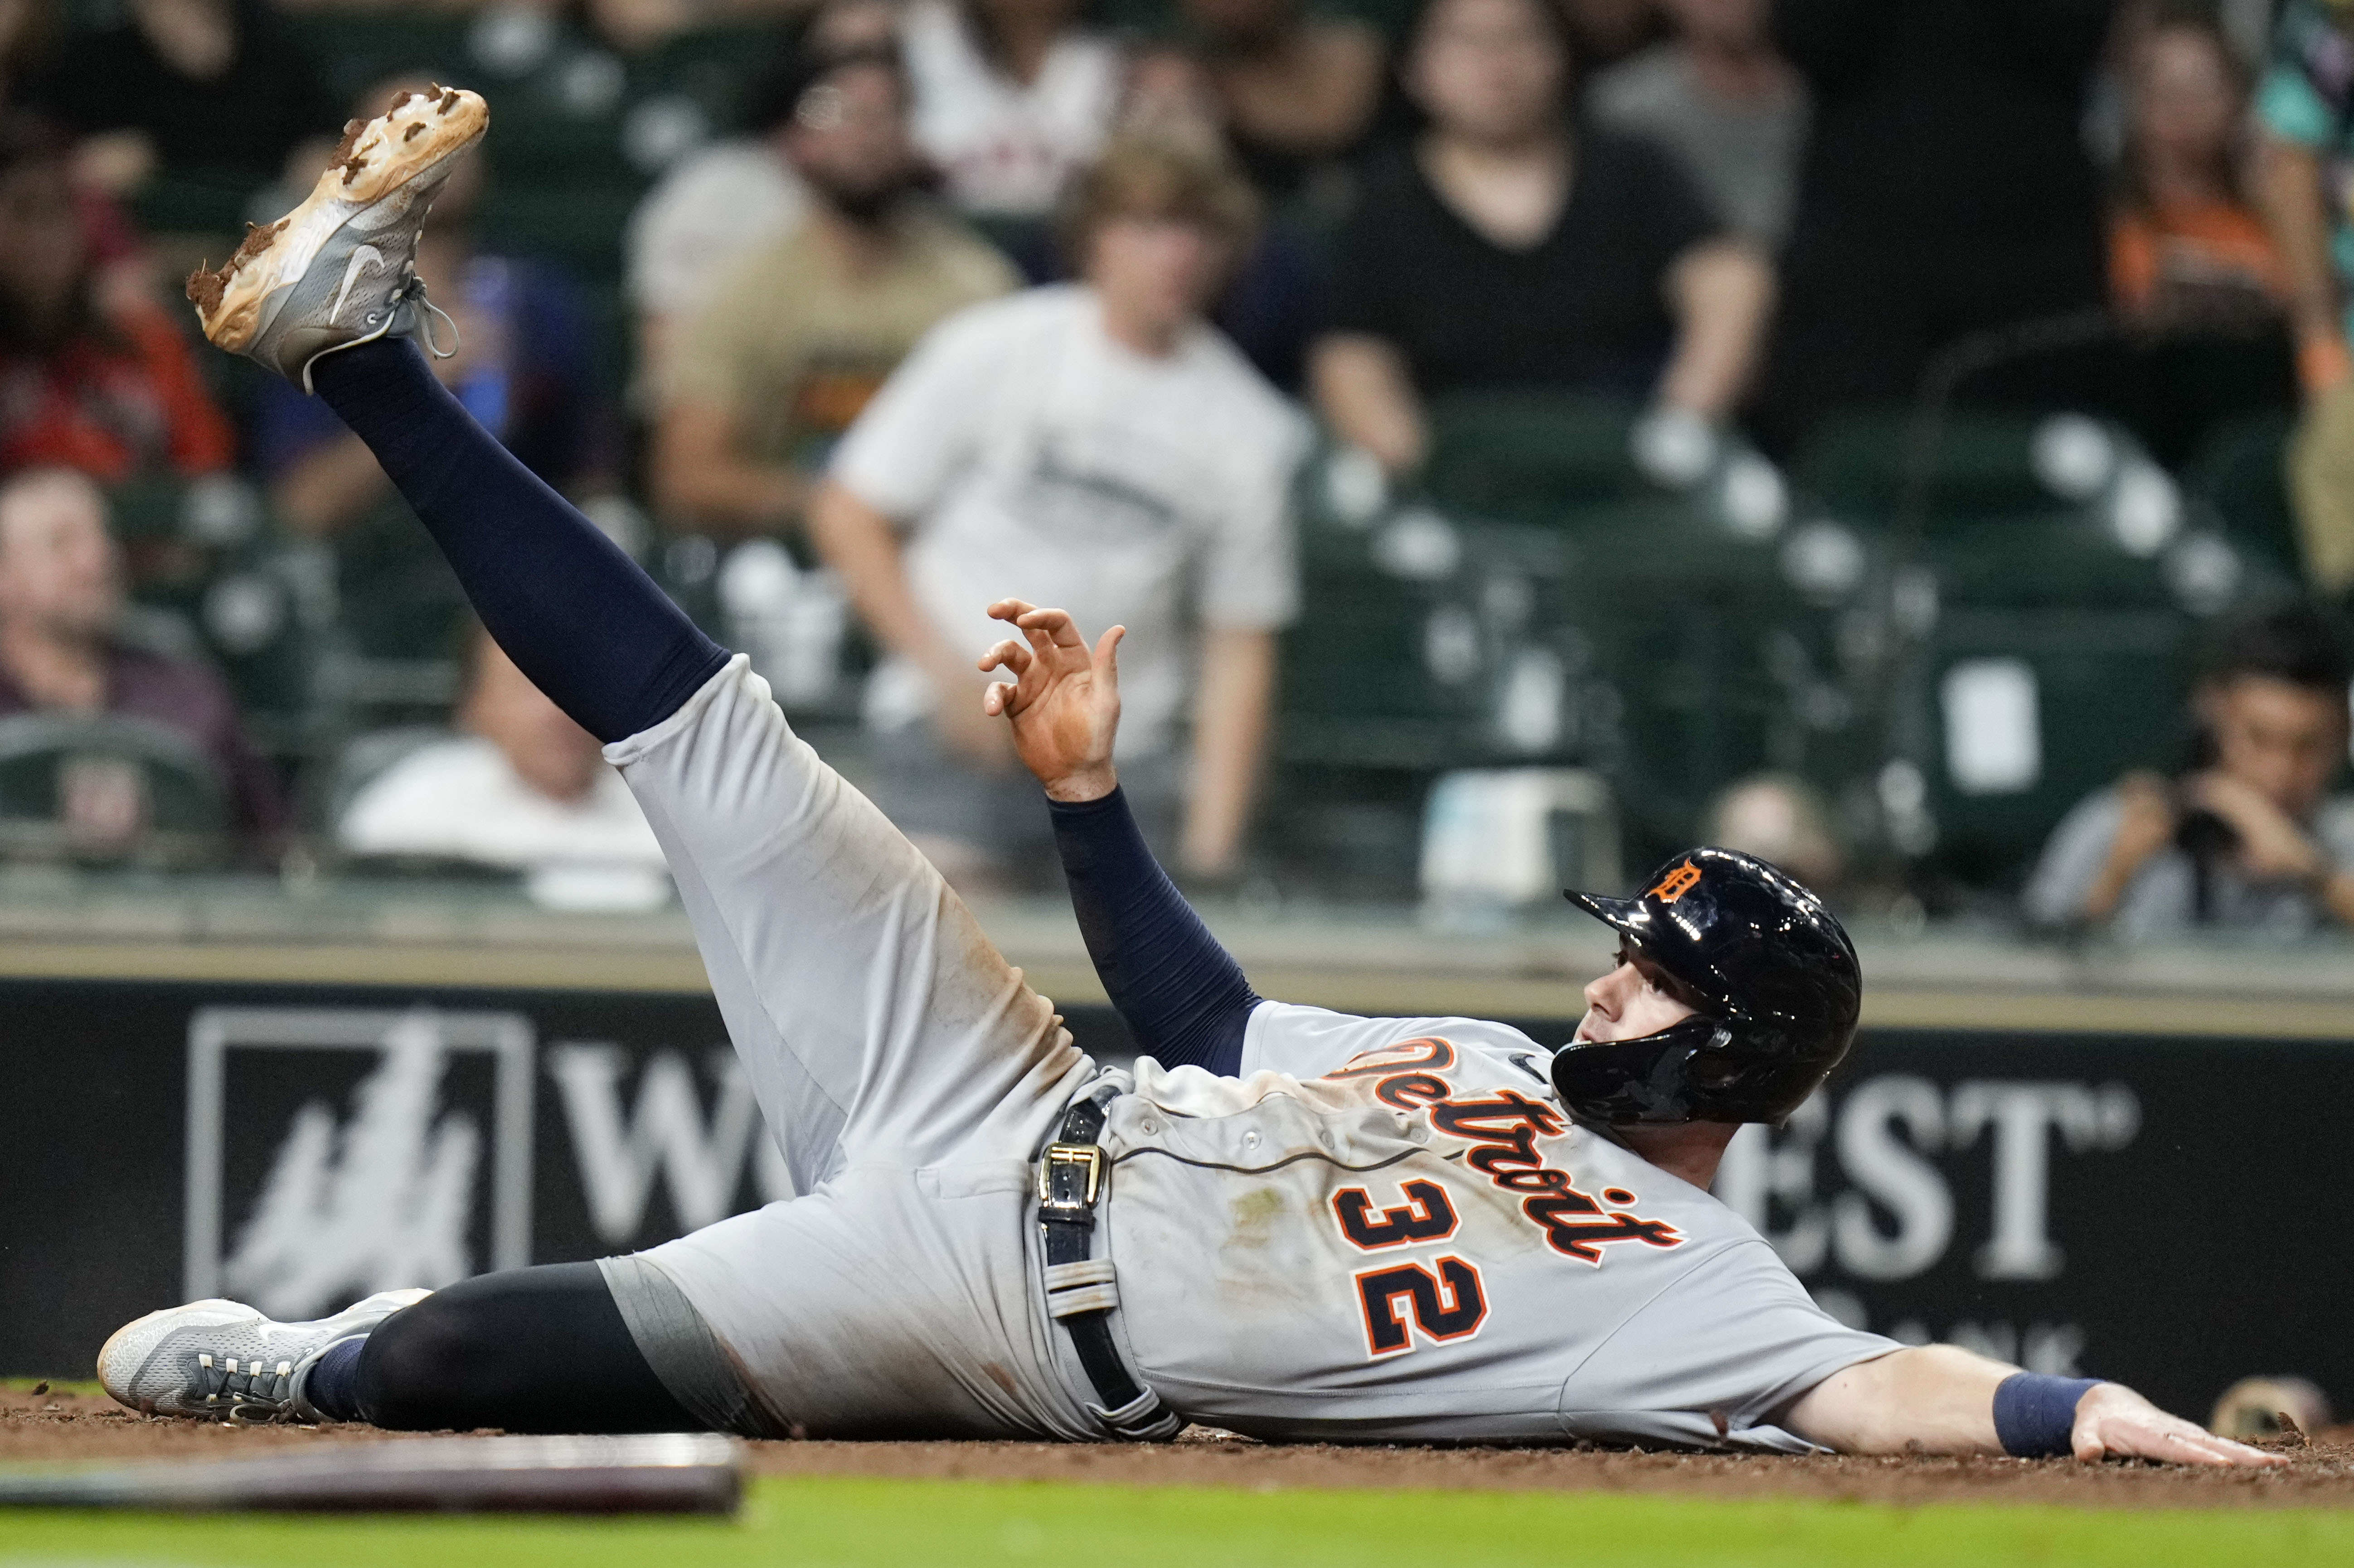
<point x="1385" y="1229"/>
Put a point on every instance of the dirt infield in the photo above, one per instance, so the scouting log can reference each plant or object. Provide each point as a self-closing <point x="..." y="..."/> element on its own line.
<point x="61" y="1426"/>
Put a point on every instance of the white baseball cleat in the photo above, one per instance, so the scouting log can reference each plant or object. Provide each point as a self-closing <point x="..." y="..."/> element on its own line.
<point x="340" y="270"/>
<point x="225" y="1362"/>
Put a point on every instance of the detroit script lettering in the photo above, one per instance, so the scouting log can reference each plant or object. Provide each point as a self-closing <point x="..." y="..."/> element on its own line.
<point x="1502" y="1131"/>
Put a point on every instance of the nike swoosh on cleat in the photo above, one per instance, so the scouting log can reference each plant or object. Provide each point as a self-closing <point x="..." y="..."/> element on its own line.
<point x="366" y="256"/>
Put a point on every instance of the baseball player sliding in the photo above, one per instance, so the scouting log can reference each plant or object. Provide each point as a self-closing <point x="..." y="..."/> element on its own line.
<point x="1287" y="1222"/>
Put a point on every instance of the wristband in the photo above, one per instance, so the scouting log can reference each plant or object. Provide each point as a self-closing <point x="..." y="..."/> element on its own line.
<point x="2035" y="1417"/>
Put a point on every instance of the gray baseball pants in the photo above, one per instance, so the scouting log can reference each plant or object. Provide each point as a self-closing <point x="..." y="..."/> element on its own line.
<point x="909" y="1079"/>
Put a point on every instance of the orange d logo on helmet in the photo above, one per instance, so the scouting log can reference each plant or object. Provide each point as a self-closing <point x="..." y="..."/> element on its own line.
<point x="1676" y="883"/>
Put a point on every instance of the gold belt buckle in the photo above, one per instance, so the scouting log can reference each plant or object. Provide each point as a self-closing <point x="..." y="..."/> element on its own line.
<point x="1072" y="1156"/>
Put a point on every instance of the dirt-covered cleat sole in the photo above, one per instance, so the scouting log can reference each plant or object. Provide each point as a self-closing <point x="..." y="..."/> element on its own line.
<point x="340" y="269"/>
<point x="223" y="1360"/>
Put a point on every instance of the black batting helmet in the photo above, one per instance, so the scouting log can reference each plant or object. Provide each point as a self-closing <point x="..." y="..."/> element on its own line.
<point x="1775" y="981"/>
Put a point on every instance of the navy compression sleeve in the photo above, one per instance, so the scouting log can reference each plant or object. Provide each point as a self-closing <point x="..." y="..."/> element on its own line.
<point x="1182" y="995"/>
<point x="569" y="607"/>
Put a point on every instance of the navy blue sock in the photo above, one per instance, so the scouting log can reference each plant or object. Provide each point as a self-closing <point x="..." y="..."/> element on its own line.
<point x="333" y="1386"/>
<point x="569" y="607"/>
<point x="1182" y="995"/>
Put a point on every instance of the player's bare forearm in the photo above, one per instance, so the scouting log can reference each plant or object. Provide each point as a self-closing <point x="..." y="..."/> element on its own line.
<point x="1935" y="1398"/>
<point x="1720" y="293"/>
<point x="1940" y="1399"/>
<point x="1230" y="727"/>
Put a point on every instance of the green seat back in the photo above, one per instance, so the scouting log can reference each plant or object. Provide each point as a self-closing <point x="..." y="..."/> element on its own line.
<point x="1712" y="664"/>
<point x="109" y="787"/>
<point x="2106" y="697"/>
<point x="359" y="50"/>
<point x="2051" y="560"/>
<point x="2239" y="472"/>
<point x="1529" y="457"/>
<point x="1855" y="466"/>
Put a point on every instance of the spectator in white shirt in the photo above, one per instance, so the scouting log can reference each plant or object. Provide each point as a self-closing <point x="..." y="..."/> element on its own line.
<point x="1098" y="448"/>
<point x="1013" y="99"/>
<point x="527" y="790"/>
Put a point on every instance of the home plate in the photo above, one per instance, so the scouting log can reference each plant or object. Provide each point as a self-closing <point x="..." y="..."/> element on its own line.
<point x="673" y="1472"/>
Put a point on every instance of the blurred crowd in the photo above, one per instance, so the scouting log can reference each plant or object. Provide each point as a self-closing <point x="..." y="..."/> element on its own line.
<point x="850" y="318"/>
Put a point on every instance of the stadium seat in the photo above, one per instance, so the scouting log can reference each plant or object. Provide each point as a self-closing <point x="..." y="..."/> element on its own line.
<point x="546" y="139"/>
<point x="1425" y="639"/>
<point x="1855" y="466"/>
<point x="2053" y="559"/>
<point x="2020" y="713"/>
<point x="1529" y="457"/>
<point x="358" y="49"/>
<point x="2239" y="472"/>
<point x="606" y="307"/>
<point x="195" y="203"/>
<point x="1710" y="663"/>
<point x="109" y="789"/>
<point x="206" y="565"/>
<point x="577" y="228"/>
<point x="1367" y="721"/>
<point x="1383" y="667"/>
<point x="709" y="67"/>
<point x="1640" y="638"/>
<point x="2065" y="573"/>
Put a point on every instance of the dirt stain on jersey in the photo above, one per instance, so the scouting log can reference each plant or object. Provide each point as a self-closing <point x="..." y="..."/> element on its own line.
<point x="1254" y="1213"/>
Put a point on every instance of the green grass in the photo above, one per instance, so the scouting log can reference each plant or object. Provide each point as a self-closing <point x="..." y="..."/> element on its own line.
<point x="822" y="1523"/>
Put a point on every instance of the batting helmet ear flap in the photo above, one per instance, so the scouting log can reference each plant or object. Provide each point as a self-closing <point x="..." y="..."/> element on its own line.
<point x="1713" y="1070"/>
<point x="1692" y="1071"/>
<point x="1646" y="1079"/>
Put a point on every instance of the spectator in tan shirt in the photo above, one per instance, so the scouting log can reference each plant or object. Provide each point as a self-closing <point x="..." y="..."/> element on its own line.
<point x="797" y="332"/>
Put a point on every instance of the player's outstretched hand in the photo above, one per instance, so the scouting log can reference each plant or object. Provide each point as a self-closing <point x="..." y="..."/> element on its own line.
<point x="1064" y="701"/>
<point x="2114" y="1422"/>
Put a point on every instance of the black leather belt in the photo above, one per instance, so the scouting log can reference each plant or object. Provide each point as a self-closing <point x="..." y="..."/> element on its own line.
<point x="1080" y="1292"/>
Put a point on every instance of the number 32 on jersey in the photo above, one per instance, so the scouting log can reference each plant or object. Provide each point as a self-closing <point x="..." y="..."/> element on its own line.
<point x="1443" y="1300"/>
